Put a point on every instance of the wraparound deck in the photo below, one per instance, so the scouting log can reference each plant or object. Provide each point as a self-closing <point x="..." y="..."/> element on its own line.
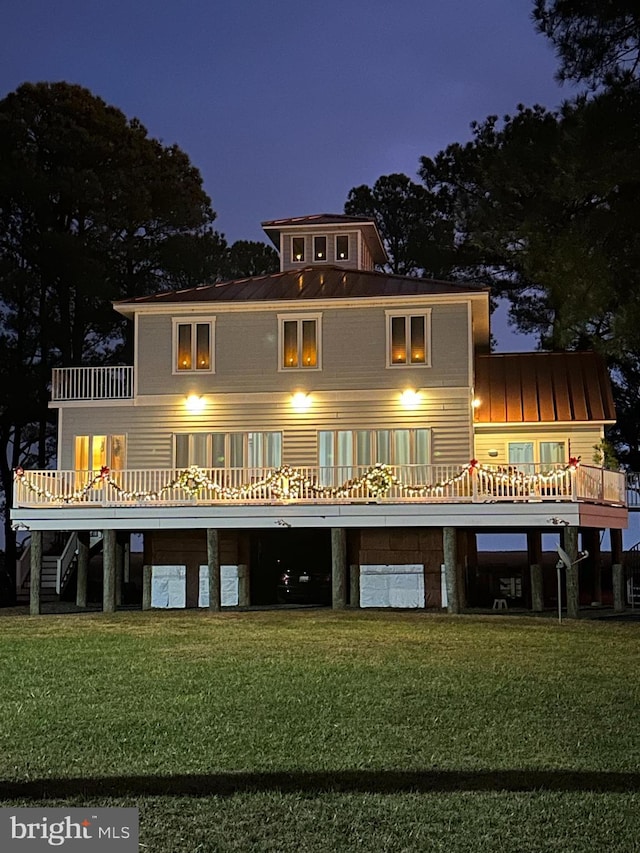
<point x="287" y="485"/>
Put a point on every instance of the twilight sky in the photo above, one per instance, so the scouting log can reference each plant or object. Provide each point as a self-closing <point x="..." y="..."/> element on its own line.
<point x="285" y="105"/>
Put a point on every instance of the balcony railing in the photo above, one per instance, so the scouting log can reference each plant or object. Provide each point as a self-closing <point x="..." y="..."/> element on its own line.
<point x="92" y="383"/>
<point x="395" y="484"/>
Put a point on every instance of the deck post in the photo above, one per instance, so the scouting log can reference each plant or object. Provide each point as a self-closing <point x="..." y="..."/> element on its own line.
<point x="338" y="568"/>
<point x="570" y="545"/>
<point x="119" y="558"/>
<point x="534" y="548"/>
<point x="213" y="561"/>
<point x="354" y="585"/>
<point x="83" y="568"/>
<point x="450" y="553"/>
<point x="617" y="570"/>
<point x="109" y="571"/>
<point x="146" y="587"/>
<point x="36" y="573"/>
<point x="244" y="596"/>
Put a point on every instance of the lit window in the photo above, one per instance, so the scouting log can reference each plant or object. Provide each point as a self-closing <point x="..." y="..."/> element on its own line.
<point x="299" y="342"/>
<point x="92" y="452"/>
<point x="319" y="248"/>
<point x="297" y="249"/>
<point x="344" y="453"/>
<point x="342" y="247"/>
<point x="193" y="346"/>
<point x="408" y="337"/>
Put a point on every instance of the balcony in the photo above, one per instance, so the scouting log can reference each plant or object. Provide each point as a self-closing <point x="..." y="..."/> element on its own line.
<point x="92" y="383"/>
<point x="379" y="484"/>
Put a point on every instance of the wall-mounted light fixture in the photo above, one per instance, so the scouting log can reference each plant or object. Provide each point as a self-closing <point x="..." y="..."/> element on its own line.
<point x="301" y="402"/>
<point x="410" y="398"/>
<point x="195" y="404"/>
<point x="492" y="453"/>
<point x="475" y="403"/>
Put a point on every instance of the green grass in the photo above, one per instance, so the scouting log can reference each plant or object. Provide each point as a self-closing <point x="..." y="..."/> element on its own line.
<point x="315" y="731"/>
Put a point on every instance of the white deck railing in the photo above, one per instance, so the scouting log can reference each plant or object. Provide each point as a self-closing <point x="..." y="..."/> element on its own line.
<point x="315" y="485"/>
<point x="92" y="383"/>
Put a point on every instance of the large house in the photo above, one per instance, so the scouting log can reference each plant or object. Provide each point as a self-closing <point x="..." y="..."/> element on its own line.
<point x="327" y="417"/>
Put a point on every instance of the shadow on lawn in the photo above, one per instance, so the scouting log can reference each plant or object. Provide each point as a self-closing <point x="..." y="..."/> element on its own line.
<point x="340" y="781"/>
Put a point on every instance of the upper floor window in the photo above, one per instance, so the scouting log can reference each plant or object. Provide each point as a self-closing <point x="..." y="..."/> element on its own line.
<point x="299" y="341"/>
<point x="297" y="250"/>
<point x="192" y="345"/>
<point x="342" y="247"/>
<point x="408" y="339"/>
<point x="319" y="248"/>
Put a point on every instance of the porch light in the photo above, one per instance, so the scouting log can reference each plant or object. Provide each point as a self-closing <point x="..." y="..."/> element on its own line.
<point x="475" y="403"/>
<point x="410" y="398"/>
<point x="195" y="404"/>
<point x="301" y="402"/>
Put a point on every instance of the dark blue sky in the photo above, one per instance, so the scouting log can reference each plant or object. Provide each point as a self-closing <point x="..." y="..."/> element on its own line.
<point x="285" y="105"/>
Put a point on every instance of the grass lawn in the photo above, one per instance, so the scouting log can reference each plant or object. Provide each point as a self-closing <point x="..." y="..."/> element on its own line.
<point x="315" y="731"/>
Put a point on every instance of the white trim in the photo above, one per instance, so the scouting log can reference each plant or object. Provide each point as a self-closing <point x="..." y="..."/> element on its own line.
<point x="299" y="317"/>
<point x="180" y="309"/>
<point x="136" y="353"/>
<point x="193" y="322"/>
<point x="282" y="397"/>
<point x="473" y="515"/>
<point x="391" y="315"/>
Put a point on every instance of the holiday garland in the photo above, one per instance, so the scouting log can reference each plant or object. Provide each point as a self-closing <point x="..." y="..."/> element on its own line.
<point x="286" y="483"/>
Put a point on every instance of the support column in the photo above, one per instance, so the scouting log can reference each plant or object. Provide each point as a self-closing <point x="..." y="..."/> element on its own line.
<point x="354" y="585"/>
<point x="82" y="568"/>
<point x="570" y="545"/>
<point x="338" y="568"/>
<point x="146" y="587"/>
<point x="450" y="550"/>
<point x="36" y="573"/>
<point x="617" y="570"/>
<point x="534" y="549"/>
<point x="119" y="558"/>
<point x="108" y="571"/>
<point x="244" y="593"/>
<point x="590" y="538"/>
<point x="213" y="561"/>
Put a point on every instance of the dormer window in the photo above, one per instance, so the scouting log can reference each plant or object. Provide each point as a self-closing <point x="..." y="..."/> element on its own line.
<point x="342" y="247"/>
<point x="297" y="250"/>
<point x="320" y="249"/>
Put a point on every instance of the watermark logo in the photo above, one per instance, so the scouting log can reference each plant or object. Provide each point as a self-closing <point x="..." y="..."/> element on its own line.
<point x="34" y="830"/>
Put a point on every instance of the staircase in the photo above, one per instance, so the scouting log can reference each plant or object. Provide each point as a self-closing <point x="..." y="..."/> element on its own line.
<point x="58" y="563"/>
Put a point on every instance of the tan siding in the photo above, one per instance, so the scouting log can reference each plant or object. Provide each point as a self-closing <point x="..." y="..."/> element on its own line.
<point x="149" y="429"/>
<point x="580" y="440"/>
<point x="287" y="262"/>
<point x="353" y="354"/>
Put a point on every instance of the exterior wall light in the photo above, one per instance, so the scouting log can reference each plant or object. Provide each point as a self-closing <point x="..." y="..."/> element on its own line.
<point x="475" y="403"/>
<point x="301" y="402"/>
<point x="194" y="404"/>
<point x="492" y="453"/>
<point x="410" y="398"/>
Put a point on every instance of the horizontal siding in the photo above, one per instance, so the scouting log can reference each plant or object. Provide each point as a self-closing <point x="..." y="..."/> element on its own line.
<point x="580" y="440"/>
<point x="353" y="354"/>
<point x="149" y="430"/>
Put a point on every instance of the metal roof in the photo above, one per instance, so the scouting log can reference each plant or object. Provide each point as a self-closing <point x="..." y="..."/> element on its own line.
<point x="542" y="387"/>
<point x="318" y="219"/>
<point x="313" y="282"/>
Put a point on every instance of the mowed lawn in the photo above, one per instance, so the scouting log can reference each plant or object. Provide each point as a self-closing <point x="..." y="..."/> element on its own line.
<point x="316" y="731"/>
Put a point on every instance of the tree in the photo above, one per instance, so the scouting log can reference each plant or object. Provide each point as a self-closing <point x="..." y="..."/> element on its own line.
<point x="91" y="210"/>
<point x="597" y="41"/>
<point x="247" y="258"/>
<point x="413" y="223"/>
